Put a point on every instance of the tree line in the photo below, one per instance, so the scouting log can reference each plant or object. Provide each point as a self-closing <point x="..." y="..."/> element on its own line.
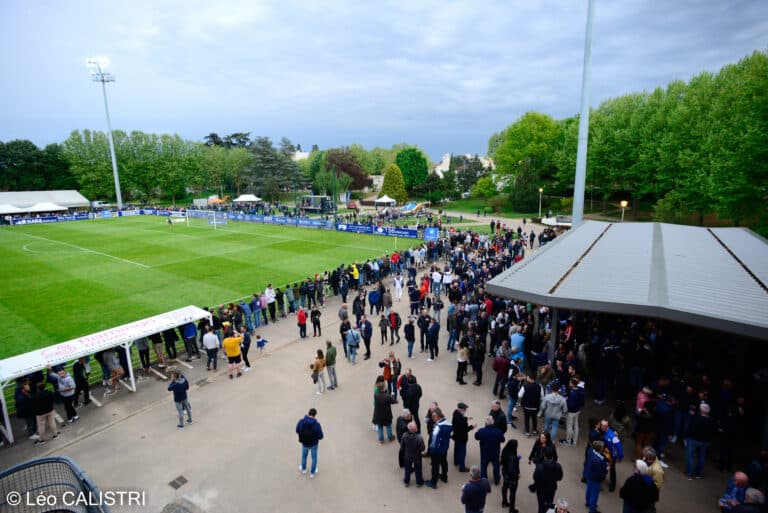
<point x="688" y="149"/>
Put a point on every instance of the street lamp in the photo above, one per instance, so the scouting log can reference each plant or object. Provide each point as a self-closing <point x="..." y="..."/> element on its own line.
<point x="541" y="190"/>
<point x="623" y="204"/>
<point x="98" y="75"/>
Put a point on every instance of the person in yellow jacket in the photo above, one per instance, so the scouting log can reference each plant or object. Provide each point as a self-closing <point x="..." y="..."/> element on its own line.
<point x="231" y="345"/>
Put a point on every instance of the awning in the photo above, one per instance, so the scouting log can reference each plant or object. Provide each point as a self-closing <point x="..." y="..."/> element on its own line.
<point x="716" y="278"/>
<point x="23" y="364"/>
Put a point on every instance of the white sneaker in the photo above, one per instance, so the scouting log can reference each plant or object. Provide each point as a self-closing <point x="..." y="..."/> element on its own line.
<point x="430" y="360"/>
<point x="246" y="369"/>
<point x="313" y="474"/>
<point x="318" y="393"/>
<point x="302" y="470"/>
<point x="34" y="437"/>
<point x="663" y="465"/>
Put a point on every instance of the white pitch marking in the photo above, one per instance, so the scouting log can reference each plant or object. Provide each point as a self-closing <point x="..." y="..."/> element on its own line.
<point x="58" y="417"/>
<point x="126" y="385"/>
<point x="87" y="249"/>
<point x="159" y="374"/>
<point x="94" y="400"/>
<point x="185" y="364"/>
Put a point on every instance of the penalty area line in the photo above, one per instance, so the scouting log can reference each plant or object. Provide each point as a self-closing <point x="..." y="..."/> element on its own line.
<point x="87" y="250"/>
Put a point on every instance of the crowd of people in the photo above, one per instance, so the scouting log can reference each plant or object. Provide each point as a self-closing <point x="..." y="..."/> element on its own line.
<point x="666" y="396"/>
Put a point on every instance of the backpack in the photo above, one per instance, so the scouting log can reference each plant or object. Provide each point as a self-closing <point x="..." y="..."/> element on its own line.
<point x="307" y="434"/>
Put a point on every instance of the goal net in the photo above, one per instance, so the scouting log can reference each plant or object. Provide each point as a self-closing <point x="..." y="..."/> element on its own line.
<point x="210" y="218"/>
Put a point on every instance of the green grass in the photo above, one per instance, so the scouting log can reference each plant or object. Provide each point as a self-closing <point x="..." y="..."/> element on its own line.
<point x="473" y="205"/>
<point x="64" y="280"/>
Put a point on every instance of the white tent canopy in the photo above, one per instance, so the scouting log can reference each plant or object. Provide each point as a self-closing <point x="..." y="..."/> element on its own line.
<point x="10" y="209"/>
<point x="39" y="359"/>
<point x="69" y="199"/>
<point x="44" y="207"/>
<point x="247" y="198"/>
<point x="386" y="200"/>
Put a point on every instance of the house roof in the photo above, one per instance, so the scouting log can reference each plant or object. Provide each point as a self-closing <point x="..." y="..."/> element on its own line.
<point x="711" y="277"/>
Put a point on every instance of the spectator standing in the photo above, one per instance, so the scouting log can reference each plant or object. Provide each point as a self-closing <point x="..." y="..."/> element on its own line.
<point x="510" y="473"/>
<point x="412" y="445"/>
<point x="330" y="364"/>
<point x="490" y="439"/>
<point x="545" y="479"/>
<point x="474" y="492"/>
<point x="319" y="368"/>
<point x="314" y="316"/>
<point x="639" y="492"/>
<point x="595" y="470"/>
<point x="179" y="387"/>
<point x="211" y="345"/>
<point x="382" y="412"/>
<point x="575" y="404"/>
<point x="245" y="346"/>
<point x="42" y="408"/>
<point x="461" y="429"/>
<point x="81" y="372"/>
<point x="65" y="385"/>
<point x="655" y="470"/>
<point x="701" y="432"/>
<point x="553" y="408"/>
<point x="438" y="448"/>
<point x="310" y="433"/>
<point x="301" y="322"/>
<point x="530" y="400"/>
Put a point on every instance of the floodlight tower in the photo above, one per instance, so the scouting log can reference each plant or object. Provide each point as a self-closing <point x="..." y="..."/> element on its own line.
<point x="98" y="75"/>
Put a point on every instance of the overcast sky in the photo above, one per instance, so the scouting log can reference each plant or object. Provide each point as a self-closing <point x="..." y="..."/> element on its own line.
<point x="440" y="74"/>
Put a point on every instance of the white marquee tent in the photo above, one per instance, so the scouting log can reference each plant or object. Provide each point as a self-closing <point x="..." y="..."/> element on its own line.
<point x="123" y="336"/>
<point x="44" y="207"/>
<point x="10" y="209"/>
<point x="386" y="200"/>
<point x="247" y="198"/>
<point x="21" y="199"/>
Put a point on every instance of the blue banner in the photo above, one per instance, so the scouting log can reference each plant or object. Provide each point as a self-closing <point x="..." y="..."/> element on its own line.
<point x="355" y="228"/>
<point x="431" y="234"/>
<point x="51" y="219"/>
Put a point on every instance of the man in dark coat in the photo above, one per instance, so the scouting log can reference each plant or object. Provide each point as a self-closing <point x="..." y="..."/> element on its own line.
<point x="411" y="395"/>
<point x="545" y="479"/>
<point x="461" y="429"/>
<point x="382" y="412"/>
<point x="490" y="438"/>
<point x="639" y="492"/>
<point x="411" y="446"/>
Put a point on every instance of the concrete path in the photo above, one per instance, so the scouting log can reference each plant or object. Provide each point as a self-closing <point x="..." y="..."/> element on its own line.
<point x="242" y="455"/>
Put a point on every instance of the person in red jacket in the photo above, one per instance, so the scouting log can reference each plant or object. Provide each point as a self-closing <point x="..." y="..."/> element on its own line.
<point x="301" y="320"/>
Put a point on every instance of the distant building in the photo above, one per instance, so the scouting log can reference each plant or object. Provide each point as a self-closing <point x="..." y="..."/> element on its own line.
<point x="445" y="163"/>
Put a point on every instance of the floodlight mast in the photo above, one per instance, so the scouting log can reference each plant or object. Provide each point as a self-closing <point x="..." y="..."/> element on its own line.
<point x="581" y="150"/>
<point x="98" y="75"/>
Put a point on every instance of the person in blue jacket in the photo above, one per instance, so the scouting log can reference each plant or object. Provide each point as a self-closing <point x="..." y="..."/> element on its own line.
<point x="310" y="433"/>
<point x="179" y="387"/>
<point x="595" y="470"/>
<point x="438" y="448"/>
<point x="490" y="438"/>
<point x="615" y="449"/>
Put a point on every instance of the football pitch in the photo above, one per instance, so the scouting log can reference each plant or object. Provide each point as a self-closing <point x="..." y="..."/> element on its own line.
<point x="64" y="280"/>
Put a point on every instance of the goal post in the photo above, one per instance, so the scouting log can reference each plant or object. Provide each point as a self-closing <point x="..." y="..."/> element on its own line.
<point x="206" y="218"/>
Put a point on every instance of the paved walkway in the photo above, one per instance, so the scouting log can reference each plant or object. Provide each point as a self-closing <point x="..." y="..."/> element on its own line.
<point x="241" y="454"/>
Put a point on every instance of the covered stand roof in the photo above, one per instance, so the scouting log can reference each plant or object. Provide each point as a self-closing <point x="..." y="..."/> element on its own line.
<point x="68" y="199"/>
<point x="23" y="364"/>
<point x="710" y="277"/>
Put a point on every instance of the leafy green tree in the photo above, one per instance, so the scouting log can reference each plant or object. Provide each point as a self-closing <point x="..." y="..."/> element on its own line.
<point x="414" y="167"/>
<point x="528" y="146"/>
<point x="268" y="172"/>
<point x="484" y="188"/>
<point x="449" y="185"/>
<point x="496" y="139"/>
<point x="213" y="139"/>
<point x="237" y="140"/>
<point x="394" y="185"/>
<point x="89" y="160"/>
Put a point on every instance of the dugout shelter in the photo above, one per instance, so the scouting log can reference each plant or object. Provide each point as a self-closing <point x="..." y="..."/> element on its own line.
<point x="122" y="336"/>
